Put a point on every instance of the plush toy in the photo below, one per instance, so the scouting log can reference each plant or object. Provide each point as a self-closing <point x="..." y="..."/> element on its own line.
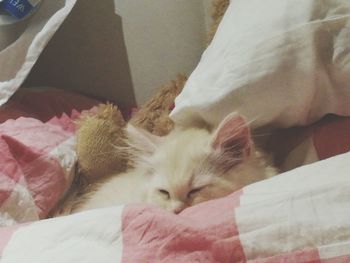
<point x="154" y="115"/>
<point x="100" y="137"/>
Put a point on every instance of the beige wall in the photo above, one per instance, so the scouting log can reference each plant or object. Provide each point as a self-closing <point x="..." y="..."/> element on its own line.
<point x="88" y="55"/>
<point x="123" y="57"/>
<point x="207" y="5"/>
<point x="163" y="38"/>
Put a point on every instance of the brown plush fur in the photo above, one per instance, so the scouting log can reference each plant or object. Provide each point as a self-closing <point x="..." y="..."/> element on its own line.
<point x="154" y="115"/>
<point x="219" y="8"/>
<point x="98" y="137"/>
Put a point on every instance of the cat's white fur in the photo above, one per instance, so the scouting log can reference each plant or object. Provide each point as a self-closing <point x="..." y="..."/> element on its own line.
<point x="184" y="168"/>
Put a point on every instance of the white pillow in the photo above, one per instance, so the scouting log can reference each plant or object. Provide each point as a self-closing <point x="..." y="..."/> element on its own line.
<point x="282" y="63"/>
<point x="19" y="57"/>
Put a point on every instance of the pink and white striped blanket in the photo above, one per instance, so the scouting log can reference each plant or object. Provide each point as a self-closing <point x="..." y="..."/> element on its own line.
<point x="300" y="216"/>
<point x="37" y="156"/>
<point x="36" y="167"/>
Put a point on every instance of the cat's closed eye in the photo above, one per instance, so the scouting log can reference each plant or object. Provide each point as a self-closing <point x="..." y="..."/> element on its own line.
<point x="164" y="193"/>
<point x="194" y="191"/>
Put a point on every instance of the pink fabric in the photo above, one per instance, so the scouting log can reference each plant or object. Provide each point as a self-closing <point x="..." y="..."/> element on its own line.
<point x="10" y="173"/>
<point x="25" y="146"/>
<point x="330" y="137"/>
<point x="44" y="104"/>
<point x="204" y="233"/>
<point x="28" y="131"/>
<point x="34" y="124"/>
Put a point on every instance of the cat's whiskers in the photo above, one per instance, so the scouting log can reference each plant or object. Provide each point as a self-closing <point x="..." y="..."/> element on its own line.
<point x="166" y="169"/>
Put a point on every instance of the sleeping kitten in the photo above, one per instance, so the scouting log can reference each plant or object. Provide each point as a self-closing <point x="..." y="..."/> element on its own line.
<point x="184" y="168"/>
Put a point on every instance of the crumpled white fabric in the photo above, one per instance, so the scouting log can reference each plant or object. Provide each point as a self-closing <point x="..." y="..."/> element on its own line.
<point x="282" y="63"/>
<point x="18" y="58"/>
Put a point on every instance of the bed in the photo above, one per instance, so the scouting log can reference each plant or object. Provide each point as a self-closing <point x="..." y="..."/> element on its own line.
<point x="289" y="75"/>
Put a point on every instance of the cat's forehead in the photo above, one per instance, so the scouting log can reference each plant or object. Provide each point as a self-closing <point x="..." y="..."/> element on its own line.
<point x="190" y="142"/>
<point x="178" y="170"/>
<point x="183" y="149"/>
<point x="180" y="158"/>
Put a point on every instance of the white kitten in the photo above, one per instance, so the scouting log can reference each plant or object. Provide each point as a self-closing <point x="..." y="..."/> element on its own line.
<point x="184" y="168"/>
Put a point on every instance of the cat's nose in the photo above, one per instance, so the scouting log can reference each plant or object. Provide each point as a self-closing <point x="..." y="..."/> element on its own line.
<point x="178" y="208"/>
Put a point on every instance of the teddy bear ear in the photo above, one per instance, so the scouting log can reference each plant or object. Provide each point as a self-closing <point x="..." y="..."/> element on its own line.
<point x="142" y="140"/>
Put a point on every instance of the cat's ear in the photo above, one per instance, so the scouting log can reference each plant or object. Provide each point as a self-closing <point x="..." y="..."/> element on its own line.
<point x="142" y="140"/>
<point x="233" y="137"/>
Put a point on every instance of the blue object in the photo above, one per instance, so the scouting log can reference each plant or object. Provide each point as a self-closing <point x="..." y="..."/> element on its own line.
<point x="19" y="8"/>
